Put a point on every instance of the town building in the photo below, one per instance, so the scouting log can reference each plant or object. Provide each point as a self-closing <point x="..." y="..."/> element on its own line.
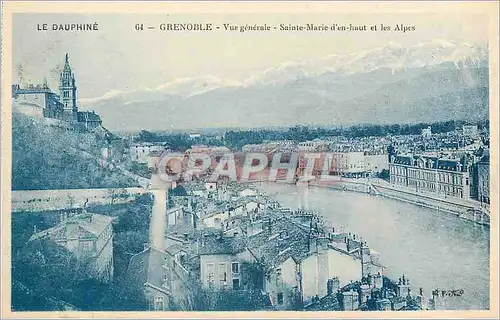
<point x="483" y="173"/>
<point x="161" y="276"/>
<point x="89" y="120"/>
<point x="36" y="101"/>
<point x="348" y="164"/>
<point x="470" y="131"/>
<point x="220" y="261"/>
<point x="376" y="163"/>
<point x="140" y="152"/>
<point x="194" y="135"/>
<point x="446" y="177"/>
<point x="427" y="132"/>
<point x="314" y="145"/>
<point x="89" y="237"/>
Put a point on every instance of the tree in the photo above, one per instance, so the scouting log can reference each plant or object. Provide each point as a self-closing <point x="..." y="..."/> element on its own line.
<point x="39" y="266"/>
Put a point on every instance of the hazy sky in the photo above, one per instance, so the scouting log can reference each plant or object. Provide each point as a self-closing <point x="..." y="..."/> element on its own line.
<point x="119" y="58"/>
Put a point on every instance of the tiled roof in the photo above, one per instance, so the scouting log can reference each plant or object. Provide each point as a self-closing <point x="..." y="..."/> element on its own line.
<point x="88" y="226"/>
<point x="148" y="267"/>
<point x="284" y="240"/>
<point x="215" y="244"/>
<point x="435" y="163"/>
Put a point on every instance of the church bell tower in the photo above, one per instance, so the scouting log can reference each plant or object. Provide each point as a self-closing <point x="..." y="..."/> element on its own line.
<point x="67" y="90"/>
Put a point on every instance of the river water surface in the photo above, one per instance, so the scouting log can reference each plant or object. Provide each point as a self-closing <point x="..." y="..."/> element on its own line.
<point x="435" y="250"/>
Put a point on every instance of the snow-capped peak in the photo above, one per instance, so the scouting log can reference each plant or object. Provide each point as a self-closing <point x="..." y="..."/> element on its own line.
<point x="392" y="55"/>
<point x="188" y="87"/>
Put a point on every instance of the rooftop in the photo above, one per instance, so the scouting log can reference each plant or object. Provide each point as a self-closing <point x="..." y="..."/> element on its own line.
<point x="89" y="225"/>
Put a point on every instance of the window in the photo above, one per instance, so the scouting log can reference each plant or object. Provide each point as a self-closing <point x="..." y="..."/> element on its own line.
<point x="235" y="268"/>
<point x="222" y="270"/>
<point x="236" y="284"/>
<point x="159" y="303"/>
<point x="210" y="273"/>
<point x="86" y="246"/>
<point x="280" y="298"/>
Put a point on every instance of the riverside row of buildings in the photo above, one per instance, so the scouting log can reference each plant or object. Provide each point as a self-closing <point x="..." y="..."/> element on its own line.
<point x="461" y="175"/>
<point x="38" y="101"/>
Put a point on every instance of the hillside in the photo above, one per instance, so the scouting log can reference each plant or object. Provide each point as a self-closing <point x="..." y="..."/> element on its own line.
<point x="49" y="157"/>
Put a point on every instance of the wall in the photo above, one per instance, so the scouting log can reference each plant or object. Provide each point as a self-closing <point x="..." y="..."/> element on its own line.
<point x="104" y="261"/>
<point x="459" y="207"/>
<point x="283" y="283"/>
<point x="483" y="182"/>
<point x="32" y="109"/>
<point x="343" y="266"/>
<point x="210" y="222"/>
<point x="151" y="294"/>
<point x="317" y="269"/>
<point x="38" y="200"/>
<point x="216" y="260"/>
<point x="377" y="163"/>
<point x="348" y="162"/>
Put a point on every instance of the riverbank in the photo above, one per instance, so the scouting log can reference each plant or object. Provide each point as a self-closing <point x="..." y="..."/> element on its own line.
<point x="462" y="208"/>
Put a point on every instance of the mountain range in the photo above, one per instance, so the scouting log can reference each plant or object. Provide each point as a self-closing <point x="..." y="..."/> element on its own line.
<point x="433" y="81"/>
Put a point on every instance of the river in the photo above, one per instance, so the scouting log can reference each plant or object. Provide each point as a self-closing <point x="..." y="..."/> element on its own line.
<point x="435" y="250"/>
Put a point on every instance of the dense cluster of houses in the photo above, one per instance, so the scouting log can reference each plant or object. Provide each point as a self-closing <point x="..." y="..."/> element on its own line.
<point x="229" y="236"/>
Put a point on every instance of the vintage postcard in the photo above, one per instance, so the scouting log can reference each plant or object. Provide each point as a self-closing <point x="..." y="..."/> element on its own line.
<point x="249" y="159"/>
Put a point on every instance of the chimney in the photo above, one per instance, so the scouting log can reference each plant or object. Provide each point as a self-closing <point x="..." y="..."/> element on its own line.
<point x="332" y="286"/>
<point x="266" y="224"/>
<point x="378" y="281"/>
<point x="352" y="244"/>
<point x="322" y="243"/>
<point x="403" y="286"/>
<point x="313" y="244"/>
<point x="202" y="240"/>
<point x="422" y="300"/>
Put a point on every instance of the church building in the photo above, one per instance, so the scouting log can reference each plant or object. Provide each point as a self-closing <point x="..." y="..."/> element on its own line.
<point x="67" y="91"/>
<point x="39" y="101"/>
